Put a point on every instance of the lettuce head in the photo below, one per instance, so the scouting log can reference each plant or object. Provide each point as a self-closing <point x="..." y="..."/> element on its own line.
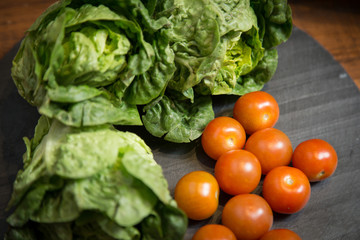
<point x="152" y="63"/>
<point x="91" y="183"/>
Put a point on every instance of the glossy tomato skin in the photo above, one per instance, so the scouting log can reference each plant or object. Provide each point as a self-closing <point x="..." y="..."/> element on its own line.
<point x="214" y="232"/>
<point x="316" y="158"/>
<point x="280" y="234"/>
<point x="256" y="110"/>
<point x="248" y="216"/>
<point x="222" y="134"/>
<point x="238" y="171"/>
<point x="286" y="189"/>
<point x="197" y="194"/>
<point x="272" y="148"/>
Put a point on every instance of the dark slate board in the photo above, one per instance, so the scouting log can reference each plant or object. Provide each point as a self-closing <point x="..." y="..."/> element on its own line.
<point x="317" y="100"/>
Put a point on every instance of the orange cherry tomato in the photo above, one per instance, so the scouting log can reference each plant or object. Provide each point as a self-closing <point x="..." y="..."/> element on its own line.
<point x="286" y="189"/>
<point x="238" y="171"/>
<point x="280" y="234"/>
<point x="256" y="110"/>
<point x="271" y="147"/>
<point x="197" y="194"/>
<point x="214" y="232"/>
<point x="316" y="158"/>
<point x="248" y="216"/>
<point x="222" y="134"/>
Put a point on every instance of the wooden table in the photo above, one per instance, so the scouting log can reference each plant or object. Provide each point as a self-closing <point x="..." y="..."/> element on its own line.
<point x="335" y="25"/>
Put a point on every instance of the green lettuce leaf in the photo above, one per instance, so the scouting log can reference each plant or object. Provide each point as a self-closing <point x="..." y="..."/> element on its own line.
<point x="91" y="62"/>
<point x="263" y="72"/>
<point x="149" y="85"/>
<point x="90" y="107"/>
<point x="241" y="57"/>
<point x="25" y="233"/>
<point x="163" y="224"/>
<point x="79" y="181"/>
<point x="200" y="38"/>
<point x="177" y="122"/>
<point x="275" y="21"/>
<point x="73" y="54"/>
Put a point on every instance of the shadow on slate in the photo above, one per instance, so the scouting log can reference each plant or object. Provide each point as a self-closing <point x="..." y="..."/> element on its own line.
<point x="317" y="99"/>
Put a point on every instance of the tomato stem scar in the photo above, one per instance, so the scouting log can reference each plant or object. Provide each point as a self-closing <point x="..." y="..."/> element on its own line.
<point x="289" y="180"/>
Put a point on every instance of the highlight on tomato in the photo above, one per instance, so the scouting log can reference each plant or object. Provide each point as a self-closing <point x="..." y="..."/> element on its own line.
<point x="248" y="216"/>
<point x="214" y="232"/>
<point x="271" y="147"/>
<point x="222" y="134"/>
<point x="286" y="189"/>
<point x="197" y="194"/>
<point x="256" y="111"/>
<point x="316" y="158"/>
<point x="237" y="172"/>
<point x="281" y="234"/>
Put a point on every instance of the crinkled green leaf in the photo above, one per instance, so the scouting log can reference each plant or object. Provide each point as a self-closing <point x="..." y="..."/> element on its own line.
<point x="118" y="232"/>
<point x="73" y="50"/>
<point x="149" y="85"/>
<point x="92" y="62"/>
<point x="276" y="21"/>
<point x="255" y="80"/>
<point x="143" y="168"/>
<point x="112" y="191"/>
<point x="25" y="233"/>
<point x="242" y="56"/>
<point x="201" y="38"/>
<point x="237" y="15"/>
<point x="196" y="36"/>
<point x="164" y="224"/>
<point x="72" y="94"/>
<point x="31" y="203"/>
<point x="90" y="181"/>
<point x="101" y="109"/>
<point x="35" y="167"/>
<point x="178" y="121"/>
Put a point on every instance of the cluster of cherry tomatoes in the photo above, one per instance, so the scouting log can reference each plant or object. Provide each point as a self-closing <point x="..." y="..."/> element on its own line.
<point x="246" y="147"/>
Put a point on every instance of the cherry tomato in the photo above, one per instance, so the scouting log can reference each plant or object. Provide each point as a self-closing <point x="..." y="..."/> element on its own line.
<point x="280" y="234"/>
<point x="271" y="147"/>
<point x="222" y="134"/>
<point x="286" y="189"/>
<point x="197" y="194"/>
<point x="256" y="110"/>
<point x="316" y="158"/>
<point x="238" y="171"/>
<point x="214" y="232"/>
<point x="248" y="216"/>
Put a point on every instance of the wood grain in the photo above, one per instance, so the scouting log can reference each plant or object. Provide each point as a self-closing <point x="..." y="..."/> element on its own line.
<point x="335" y="25"/>
<point x="16" y="16"/>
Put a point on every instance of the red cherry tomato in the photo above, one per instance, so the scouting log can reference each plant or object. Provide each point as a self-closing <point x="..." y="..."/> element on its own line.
<point x="271" y="147"/>
<point x="248" y="216"/>
<point x="238" y="171"/>
<point x="222" y="134"/>
<point x="197" y="194"/>
<point x="280" y="234"/>
<point x="256" y="110"/>
<point x="286" y="189"/>
<point x="214" y="232"/>
<point x="316" y="158"/>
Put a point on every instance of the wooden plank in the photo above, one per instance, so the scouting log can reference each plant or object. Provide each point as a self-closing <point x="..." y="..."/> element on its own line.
<point x="335" y="25"/>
